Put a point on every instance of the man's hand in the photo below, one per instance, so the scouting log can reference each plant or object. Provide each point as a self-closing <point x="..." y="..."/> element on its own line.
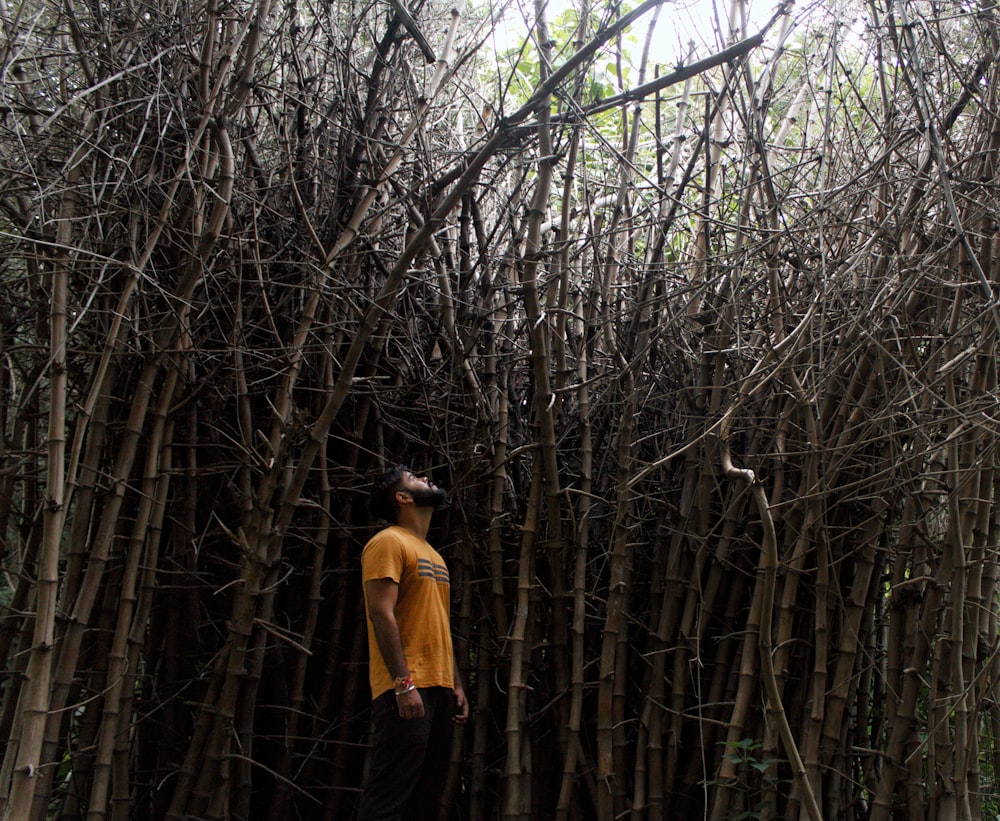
<point x="410" y="705"/>
<point x="461" y="712"/>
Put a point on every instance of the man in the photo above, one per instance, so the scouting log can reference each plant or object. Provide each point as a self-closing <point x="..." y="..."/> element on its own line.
<point x="417" y="693"/>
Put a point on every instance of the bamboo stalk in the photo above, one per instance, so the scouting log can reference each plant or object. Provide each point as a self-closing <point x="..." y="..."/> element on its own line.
<point x="611" y="779"/>
<point x="564" y="804"/>
<point x="769" y="566"/>
<point x="517" y="800"/>
<point x="24" y="757"/>
<point x="113" y="717"/>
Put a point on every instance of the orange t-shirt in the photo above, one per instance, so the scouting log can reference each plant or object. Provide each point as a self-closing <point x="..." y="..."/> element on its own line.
<point x="422" y="608"/>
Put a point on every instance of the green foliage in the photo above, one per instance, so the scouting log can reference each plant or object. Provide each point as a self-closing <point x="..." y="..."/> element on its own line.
<point x="756" y="779"/>
<point x="989" y="795"/>
<point x="517" y="67"/>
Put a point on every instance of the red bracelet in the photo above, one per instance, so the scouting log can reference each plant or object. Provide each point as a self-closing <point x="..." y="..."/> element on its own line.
<point x="403" y="684"/>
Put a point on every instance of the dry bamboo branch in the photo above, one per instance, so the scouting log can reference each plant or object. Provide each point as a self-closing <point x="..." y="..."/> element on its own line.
<point x="769" y="565"/>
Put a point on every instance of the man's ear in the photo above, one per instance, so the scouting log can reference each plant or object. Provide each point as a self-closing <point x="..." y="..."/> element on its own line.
<point x="406" y="497"/>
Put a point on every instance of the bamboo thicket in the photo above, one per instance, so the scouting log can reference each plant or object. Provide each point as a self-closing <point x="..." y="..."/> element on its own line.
<point x="705" y="349"/>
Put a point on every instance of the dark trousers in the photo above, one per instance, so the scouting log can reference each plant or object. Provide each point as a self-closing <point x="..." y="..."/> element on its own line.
<point x="410" y="759"/>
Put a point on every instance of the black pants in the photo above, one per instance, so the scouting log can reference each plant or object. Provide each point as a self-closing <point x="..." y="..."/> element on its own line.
<point x="410" y="759"/>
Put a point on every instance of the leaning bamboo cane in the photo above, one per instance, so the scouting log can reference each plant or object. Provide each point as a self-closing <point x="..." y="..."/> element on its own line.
<point x="114" y="690"/>
<point x="769" y="564"/>
<point x="121" y="795"/>
<point x="23" y="761"/>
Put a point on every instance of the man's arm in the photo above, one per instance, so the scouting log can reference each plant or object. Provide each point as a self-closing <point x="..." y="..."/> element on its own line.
<point x="382" y="595"/>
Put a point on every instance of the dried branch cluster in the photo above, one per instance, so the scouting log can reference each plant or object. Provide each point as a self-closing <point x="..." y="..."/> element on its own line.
<point x="711" y="375"/>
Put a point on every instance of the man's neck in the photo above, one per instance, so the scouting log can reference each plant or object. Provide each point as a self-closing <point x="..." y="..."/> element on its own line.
<point x="416" y="522"/>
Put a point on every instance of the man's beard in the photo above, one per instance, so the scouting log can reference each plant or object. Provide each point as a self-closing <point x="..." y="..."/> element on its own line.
<point x="434" y="497"/>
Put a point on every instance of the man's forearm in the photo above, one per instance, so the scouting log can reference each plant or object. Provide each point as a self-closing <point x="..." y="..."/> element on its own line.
<point x="390" y="645"/>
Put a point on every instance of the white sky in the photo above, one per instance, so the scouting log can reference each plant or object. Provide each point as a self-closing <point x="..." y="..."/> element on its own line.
<point x="699" y="20"/>
<point x="679" y="23"/>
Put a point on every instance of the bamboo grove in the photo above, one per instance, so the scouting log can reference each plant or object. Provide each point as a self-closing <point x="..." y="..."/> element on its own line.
<point x="705" y="351"/>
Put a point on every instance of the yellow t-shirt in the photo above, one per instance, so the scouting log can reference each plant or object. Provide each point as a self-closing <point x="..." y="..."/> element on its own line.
<point x="422" y="608"/>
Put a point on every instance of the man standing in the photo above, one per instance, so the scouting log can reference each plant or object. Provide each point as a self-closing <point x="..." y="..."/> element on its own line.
<point x="416" y="691"/>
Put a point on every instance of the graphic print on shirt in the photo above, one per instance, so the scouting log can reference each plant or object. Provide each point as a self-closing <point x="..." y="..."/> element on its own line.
<point x="432" y="570"/>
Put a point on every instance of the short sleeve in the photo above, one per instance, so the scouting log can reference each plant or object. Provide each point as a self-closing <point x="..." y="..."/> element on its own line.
<point x="382" y="558"/>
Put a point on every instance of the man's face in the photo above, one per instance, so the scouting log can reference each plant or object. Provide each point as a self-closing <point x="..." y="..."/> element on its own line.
<point x="423" y="492"/>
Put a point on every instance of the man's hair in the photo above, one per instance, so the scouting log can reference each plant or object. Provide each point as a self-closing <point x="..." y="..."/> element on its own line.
<point x="382" y="501"/>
